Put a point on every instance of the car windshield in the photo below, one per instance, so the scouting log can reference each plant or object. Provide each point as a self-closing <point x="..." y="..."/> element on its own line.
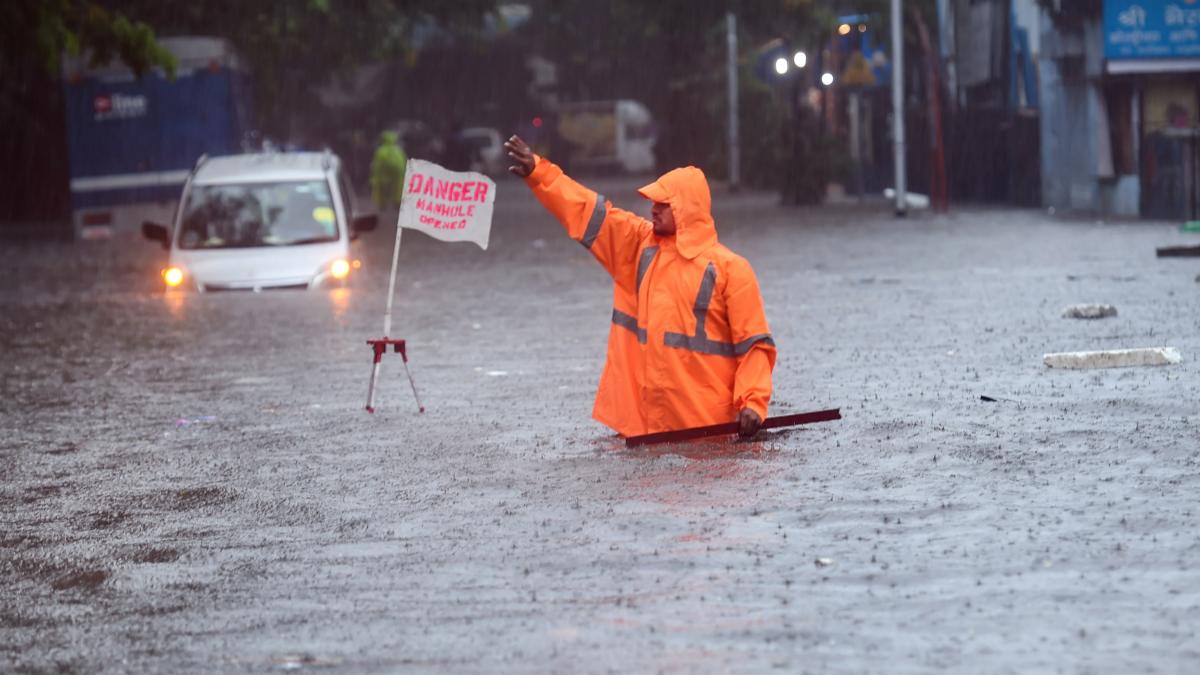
<point x="258" y="214"/>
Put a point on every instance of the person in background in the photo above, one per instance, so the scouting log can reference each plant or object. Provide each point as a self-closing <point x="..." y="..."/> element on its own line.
<point x="387" y="172"/>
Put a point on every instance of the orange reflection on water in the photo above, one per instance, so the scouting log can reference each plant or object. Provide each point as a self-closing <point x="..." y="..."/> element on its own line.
<point x="702" y="449"/>
<point x="340" y="299"/>
<point x="175" y="299"/>
<point x="715" y="472"/>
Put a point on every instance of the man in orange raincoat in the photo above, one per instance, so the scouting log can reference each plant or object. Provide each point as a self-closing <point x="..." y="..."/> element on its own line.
<point x="689" y="344"/>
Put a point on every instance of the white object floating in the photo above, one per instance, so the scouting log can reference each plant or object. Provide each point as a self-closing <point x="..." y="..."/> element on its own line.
<point x="1114" y="358"/>
<point x="915" y="200"/>
<point x="1089" y="311"/>
<point x="252" y="380"/>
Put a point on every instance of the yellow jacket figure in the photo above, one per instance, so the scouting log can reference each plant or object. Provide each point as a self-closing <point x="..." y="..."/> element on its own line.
<point x="387" y="171"/>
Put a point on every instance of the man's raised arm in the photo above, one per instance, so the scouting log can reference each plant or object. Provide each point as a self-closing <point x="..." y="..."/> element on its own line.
<point x="611" y="235"/>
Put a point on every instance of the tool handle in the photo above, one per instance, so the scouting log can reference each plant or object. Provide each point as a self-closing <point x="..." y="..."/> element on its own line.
<point x="728" y="428"/>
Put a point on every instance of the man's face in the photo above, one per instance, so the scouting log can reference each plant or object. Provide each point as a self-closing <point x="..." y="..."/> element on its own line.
<point x="664" y="220"/>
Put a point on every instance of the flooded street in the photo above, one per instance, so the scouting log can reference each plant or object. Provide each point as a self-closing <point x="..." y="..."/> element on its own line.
<point x="190" y="482"/>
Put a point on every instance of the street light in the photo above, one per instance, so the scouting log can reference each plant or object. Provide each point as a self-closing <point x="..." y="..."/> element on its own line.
<point x="800" y="59"/>
<point x="781" y="65"/>
<point x="827" y="79"/>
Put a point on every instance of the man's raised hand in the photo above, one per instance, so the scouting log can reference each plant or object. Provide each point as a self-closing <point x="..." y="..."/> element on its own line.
<point x="522" y="154"/>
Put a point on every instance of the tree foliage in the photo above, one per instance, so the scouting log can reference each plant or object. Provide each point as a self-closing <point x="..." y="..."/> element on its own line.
<point x="34" y="36"/>
<point x="291" y="46"/>
<point x="672" y="56"/>
<point x="47" y="29"/>
<point x="288" y="46"/>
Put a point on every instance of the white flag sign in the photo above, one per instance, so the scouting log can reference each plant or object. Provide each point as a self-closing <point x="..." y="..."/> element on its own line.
<point x="447" y="205"/>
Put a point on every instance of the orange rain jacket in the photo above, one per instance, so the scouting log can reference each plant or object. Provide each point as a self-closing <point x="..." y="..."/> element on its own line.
<point x="689" y="344"/>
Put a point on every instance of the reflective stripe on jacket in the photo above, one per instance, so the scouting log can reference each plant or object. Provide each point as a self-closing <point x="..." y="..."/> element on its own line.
<point x="689" y="343"/>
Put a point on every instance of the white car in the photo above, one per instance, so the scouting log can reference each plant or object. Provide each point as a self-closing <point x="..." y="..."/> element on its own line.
<point x="262" y="221"/>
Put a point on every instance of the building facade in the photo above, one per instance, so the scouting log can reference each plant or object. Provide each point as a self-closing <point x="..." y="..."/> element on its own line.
<point x="1120" y="91"/>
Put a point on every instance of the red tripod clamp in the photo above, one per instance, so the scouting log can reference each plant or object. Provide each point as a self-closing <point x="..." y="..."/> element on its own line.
<point x="380" y="346"/>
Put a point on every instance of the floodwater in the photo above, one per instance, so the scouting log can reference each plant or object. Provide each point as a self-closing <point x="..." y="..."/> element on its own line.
<point x="190" y="482"/>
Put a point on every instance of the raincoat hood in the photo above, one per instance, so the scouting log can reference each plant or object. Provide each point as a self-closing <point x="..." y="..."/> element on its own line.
<point x="389" y="138"/>
<point x="686" y="190"/>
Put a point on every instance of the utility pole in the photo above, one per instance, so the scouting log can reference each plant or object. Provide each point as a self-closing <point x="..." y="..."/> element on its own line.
<point x="898" y="110"/>
<point x="855" y="141"/>
<point x="732" y="80"/>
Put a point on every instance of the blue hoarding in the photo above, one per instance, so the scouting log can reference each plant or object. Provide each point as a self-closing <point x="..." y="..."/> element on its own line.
<point x="1151" y="29"/>
<point x="151" y="124"/>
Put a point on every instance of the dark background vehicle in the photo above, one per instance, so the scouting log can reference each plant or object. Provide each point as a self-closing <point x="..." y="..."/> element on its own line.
<point x="132" y="142"/>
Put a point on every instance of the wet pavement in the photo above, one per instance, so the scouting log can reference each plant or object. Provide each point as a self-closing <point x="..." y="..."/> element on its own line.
<point x="190" y="482"/>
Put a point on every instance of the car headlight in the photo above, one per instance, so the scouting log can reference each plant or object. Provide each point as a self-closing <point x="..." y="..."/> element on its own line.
<point x="339" y="269"/>
<point x="173" y="276"/>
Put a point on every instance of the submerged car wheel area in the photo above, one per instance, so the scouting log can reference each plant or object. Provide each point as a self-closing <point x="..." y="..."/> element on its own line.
<point x="262" y="221"/>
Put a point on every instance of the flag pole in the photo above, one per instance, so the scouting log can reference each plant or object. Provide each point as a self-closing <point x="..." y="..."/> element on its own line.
<point x="898" y="150"/>
<point x="387" y="314"/>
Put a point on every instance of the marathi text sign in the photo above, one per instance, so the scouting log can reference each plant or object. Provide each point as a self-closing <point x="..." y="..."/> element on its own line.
<point x="447" y="205"/>
<point x="1151" y="29"/>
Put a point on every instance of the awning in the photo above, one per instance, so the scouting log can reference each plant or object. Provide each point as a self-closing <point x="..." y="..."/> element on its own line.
<point x="1133" y="66"/>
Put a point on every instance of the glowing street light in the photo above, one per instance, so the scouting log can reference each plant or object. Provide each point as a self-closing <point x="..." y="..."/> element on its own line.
<point x="800" y="59"/>
<point x="827" y="79"/>
<point x="781" y="65"/>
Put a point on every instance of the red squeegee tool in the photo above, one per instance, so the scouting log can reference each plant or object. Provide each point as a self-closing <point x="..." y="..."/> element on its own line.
<point x="730" y="428"/>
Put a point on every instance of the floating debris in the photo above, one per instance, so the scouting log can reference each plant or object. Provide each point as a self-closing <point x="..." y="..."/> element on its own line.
<point x="1178" y="252"/>
<point x="1089" y="311"/>
<point x="186" y="421"/>
<point x="297" y="661"/>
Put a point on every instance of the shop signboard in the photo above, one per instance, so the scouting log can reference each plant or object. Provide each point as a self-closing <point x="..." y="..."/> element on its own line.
<point x="1151" y="29"/>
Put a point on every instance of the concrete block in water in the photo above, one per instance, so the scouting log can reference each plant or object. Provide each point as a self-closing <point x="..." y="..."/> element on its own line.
<point x="1114" y="358"/>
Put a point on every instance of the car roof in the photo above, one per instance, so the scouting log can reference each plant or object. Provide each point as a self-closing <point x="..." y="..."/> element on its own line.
<point x="264" y="167"/>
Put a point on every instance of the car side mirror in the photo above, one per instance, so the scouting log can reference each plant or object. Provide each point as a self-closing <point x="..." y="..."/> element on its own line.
<point x="155" y="232"/>
<point x="365" y="222"/>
